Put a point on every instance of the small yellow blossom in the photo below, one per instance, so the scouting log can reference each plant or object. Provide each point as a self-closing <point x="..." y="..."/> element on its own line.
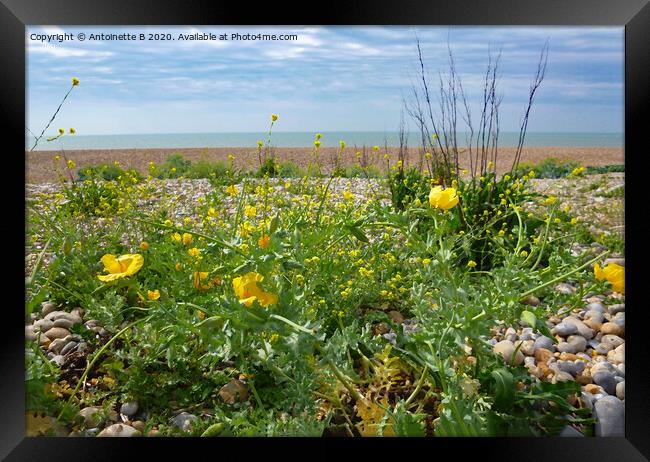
<point x="613" y="273"/>
<point x="264" y="241"/>
<point x="232" y="190"/>
<point x="153" y="295"/>
<point x="144" y="245"/>
<point x="471" y="264"/>
<point x="274" y="117"/>
<point x="248" y="291"/>
<point x="72" y="131"/>
<point x="176" y="237"/>
<point x="348" y="196"/>
<point x="250" y="211"/>
<point x="75" y="81"/>
<point x="194" y="252"/>
<point x="187" y="238"/>
<point x="71" y="164"/>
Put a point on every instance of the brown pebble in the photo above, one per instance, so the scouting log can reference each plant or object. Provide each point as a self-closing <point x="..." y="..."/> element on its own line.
<point x="611" y="328"/>
<point x="542" y="355"/>
<point x="564" y="356"/>
<point x="57" y="332"/>
<point x="593" y="324"/>
<point x="396" y="316"/>
<point x="583" y="379"/>
<point x="592" y="388"/>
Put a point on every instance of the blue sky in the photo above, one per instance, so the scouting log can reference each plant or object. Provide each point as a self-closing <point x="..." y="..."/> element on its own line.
<point x="330" y="79"/>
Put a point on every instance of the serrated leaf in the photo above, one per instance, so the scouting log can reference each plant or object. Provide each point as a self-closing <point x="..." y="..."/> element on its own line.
<point x="504" y="389"/>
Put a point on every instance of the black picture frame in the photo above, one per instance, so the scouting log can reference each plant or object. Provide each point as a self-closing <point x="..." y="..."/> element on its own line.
<point x="634" y="15"/>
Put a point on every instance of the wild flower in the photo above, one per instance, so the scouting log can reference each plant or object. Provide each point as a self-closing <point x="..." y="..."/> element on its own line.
<point x="120" y="267"/>
<point x="248" y="291"/>
<point x="153" y="294"/>
<point x="443" y="198"/>
<point x="613" y="273"/>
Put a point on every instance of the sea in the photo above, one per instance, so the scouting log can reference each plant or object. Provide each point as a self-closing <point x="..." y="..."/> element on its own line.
<point x="305" y="139"/>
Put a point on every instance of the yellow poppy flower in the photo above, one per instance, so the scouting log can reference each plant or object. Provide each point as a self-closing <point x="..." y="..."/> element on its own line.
<point x="247" y="290"/>
<point x="443" y="198"/>
<point x="120" y="267"/>
<point x="153" y="294"/>
<point x="613" y="273"/>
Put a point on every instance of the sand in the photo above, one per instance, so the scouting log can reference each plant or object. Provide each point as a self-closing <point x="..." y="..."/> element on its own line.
<point x="40" y="167"/>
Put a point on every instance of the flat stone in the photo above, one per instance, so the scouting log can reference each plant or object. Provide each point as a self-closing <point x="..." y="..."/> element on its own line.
<point x="119" y="430"/>
<point x="234" y="391"/>
<point x="594" y="315"/>
<point x="561" y="376"/>
<point x="578" y="342"/>
<point x="396" y="316"/>
<point x="138" y="425"/>
<point x="596" y="306"/>
<point x="617" y="355"/>
<point x="582" y="328"/>
<point x="618" y="308"/>
<point x="57" y="344"/>
<point x="91" y="415"/>
<point x="565" y="288"/>
<point x="566" y="347"/>
<point x="59" y="360"/>
<point x="68" y="348"/>
<point x="531" y="300"/>
<point x="542" y="355"/>
<point x="30" y="335"/>
<point x="43" y="325"/>
<point x="593" y="389"/>
<point x="564" y="329"/>
<point x="47" y="308"/>
<point x="56" y="315"/>
<point x="610" y="416"/>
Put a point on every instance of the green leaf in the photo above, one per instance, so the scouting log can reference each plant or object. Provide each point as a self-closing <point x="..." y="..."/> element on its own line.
<point x="504" y="389"/>
<point x="529" y="318"/>
<point x="213" y="430"/>
<point x="356" y="232"/>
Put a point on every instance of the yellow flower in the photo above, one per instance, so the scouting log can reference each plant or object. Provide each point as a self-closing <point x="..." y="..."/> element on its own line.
<point x="176" y="237"/>
<point x="318" y="136"/>
<point x="375" y="148"/>
<point x="274" y="117"/>
<point x="153" y="295"/>
<point x="57" y="158"/>
<point x="75" y="81"/>
<point x="550" y="200"/>
<point x="120" y="267"/>
<point x="231" y="157"/>
<point x="250" y="211"/>
<point x="72" y="131"/>
<point x="443" y="198"/>
<point x="427" y="155"/>
<point x="71" y="164"/>
<point x="232" y="190"/>
<point x="199" y="276"/>
<point x="471" y="264"/>
<point x="264" y="241"/>
<point x="144" y="245"/>
<point x="178" y="266"/>
<point x="348" y="196"/>
<point x="317" y="143"/>
<point x="61" y="131"/>
<point x="342" y="143"/>
<point x="613" y="273"/>
<point x="260" y="144"/>
<point x="187" y="238"/>
<point x="247" y="290"/>
<point x="194" y="252"/>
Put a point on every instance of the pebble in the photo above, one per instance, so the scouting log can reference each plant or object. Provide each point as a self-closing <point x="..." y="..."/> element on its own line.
<point x="564" y="288"/>
<point x="618" y="308"/>
<point x="543" y="342"/>
<point x="531" y="300"/>
<point x="620" y="390"/>
<point x="90" y="415"/>
<point x="593" y="389"/>
<point x="561" y="376"/>
<point x="611" y="328"/>
<point x="138" y="425"/>
<point x="57" y="332"/>
<point x="527" y="334"/>
<point x="572" y="367"/>
<point x="511" y="334"/>
<point x="119" y="430"/>
<point x="617" y="355"/>
<point x="610" y="416"/>
<point x="184" y="421"/>
<point x="527" y="347"/>
<point x="611" y="340"/>
<point x="606" y="380"/>
<point x="43" y="325"/>
<point x="47" y="308"/>
<point x="57" y="344"/>
<point x="129" y="408"/>
<point x="594" y="316"/>
<point x="59" y="360"/>
<point x="597" y="306"/>
<point x="396" y="316"/>
<point x="566" y="347"/>
<point x="542" y="355"/>
<point x="68" y="348"/>
<point x="581" y="327"/>
<point x="506" y="348"/>
<point x="30" y="335"/>
<point x="564" y="329"/>
<point x="578" y="342"/>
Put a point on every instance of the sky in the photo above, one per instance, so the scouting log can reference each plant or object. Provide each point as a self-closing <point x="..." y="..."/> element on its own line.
<point x="329" y="79"/>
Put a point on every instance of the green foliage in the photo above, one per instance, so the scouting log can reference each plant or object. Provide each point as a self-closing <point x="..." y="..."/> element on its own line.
<point x="551" y="167"/>
<point x="406" y="185"/>
<point x="108" y="172"/>
<point x="614" y="168"/>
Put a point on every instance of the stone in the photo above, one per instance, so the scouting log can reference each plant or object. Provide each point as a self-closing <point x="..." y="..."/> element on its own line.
<point x="138" y="425"/>
<point x="610" y="417"/>
<point x="47" y="308"/>
<point x="43" y="325"/>
<point x="593" y="325"/>
<point x="611" y="328"/>
<point x="617" y="355"/>
<point x="527" y="347"/>
<point x="593" y="389"/>
<point x="91" y="416"/>
<point x="68" y="348"/>
<point x="396" y="316"/>
<point x="59" y="360"/>
<point x="595" y="315"/>
<point x="30" y="335"/>
<point x="618" y="308"/>
<point x="583" y="379"/>
<point x="511" y="334"/>
<point x="596" y="306"/>
<point x="44" y="341"/>
<point x="184" y="421"/>
<point x="612" y="340"/>
<point x="620" y="390"/>
<point x="555" y="319"/>
<point x="564" y="288"/>
<point x="561" y="376"/>
<point x="129" y="408"/>
<point x="566" y="347"/>
<point x="620" y="370"/>
<point x="587" y="399"/>
<point x="57" y="344"/>
<point x="531" y="300"/>
<point x="606" y="381"/>
<point x="529" y="362"/>
<point x="78" y="311"/>
<point x="56" y="315"/>
<point x="527" y="334"/>
<point x="57" y="332"/>
<point x="578" y="342"/>
<point x="65" y="323"/>
<point x="582" y="328"/>
<point x="506" y="349"/>
<point x="572" y="367"/>
<point x="234" y="391"/>
<point x="542" y="355"/>
<point x="564" y="329"/>
<point x="543" y="342"/>
<point x="615" y="260"/>
<point x="119" y="430"/>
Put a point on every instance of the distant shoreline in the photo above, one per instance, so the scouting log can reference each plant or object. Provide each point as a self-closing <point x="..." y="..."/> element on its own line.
<point x="39" y="164"/>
